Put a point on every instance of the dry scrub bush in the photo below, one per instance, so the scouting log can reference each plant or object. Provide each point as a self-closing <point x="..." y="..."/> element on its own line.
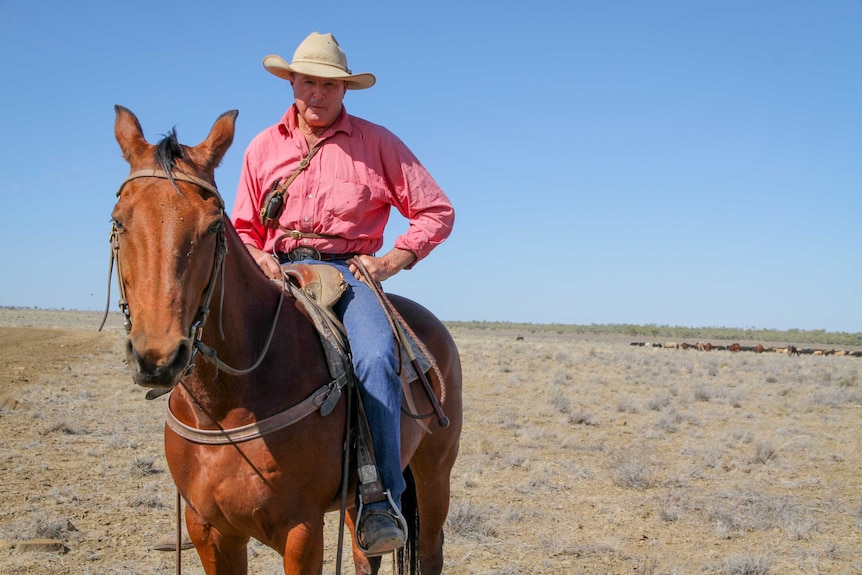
<point x="471" y="520"/>
<point x="143" y="466"/>
<point x="764" y="452"/>
<point x="39" y="524"/>
<point x="742" y="565"/>
<point x="633" y="471"/>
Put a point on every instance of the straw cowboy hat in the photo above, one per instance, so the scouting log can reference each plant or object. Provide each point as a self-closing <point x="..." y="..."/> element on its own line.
<point x="319" y="55"/>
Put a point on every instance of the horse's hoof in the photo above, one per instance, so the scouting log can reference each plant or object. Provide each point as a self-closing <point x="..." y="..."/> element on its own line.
<point x="169" y="542"/>
<point x="380" y="534"/>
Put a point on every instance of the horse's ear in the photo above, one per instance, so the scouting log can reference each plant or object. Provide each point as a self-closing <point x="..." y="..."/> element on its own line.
<point x="129" y="134"/>
<point x="210" y="152"/>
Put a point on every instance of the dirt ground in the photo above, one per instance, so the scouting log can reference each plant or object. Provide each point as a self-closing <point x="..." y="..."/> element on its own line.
<point x="580" y="455"/>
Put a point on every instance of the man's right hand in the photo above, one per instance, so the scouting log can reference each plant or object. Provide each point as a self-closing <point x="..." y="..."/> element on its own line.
<point x="266" y="261"/>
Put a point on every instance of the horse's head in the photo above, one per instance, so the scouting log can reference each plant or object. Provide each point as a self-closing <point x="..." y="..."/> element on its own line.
<point x="168" y="240"/>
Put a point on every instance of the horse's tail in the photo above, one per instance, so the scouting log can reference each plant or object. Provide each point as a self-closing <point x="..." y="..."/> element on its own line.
<point x="407" y="559"/>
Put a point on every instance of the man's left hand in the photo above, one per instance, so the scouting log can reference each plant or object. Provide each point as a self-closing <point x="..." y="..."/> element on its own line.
<point x="384" y="267"/>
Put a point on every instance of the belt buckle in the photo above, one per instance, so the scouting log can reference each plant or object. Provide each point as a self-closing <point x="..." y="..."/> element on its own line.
<point x="303" y="253"/>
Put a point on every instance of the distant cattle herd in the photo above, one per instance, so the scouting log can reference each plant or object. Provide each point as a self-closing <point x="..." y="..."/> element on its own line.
<point x="735" y="347"/>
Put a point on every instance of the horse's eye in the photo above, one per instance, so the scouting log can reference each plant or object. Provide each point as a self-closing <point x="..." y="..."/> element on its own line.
<point x="216" y="227"/>
<point x="118" y="225"/>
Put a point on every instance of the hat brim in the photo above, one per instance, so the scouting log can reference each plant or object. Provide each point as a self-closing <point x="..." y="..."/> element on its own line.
<point x="277" y="66"/>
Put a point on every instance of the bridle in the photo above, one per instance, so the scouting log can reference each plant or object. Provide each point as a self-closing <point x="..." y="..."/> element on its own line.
<point x="195" y="331"/>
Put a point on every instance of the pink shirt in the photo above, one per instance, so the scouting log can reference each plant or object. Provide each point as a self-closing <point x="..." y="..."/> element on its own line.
<point x="360" y="170"/>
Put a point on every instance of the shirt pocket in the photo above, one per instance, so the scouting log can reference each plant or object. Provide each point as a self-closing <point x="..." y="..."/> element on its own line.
<point x="348" y="201"/>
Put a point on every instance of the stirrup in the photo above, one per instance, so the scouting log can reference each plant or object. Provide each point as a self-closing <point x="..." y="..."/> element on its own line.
<point x="393" y="511"/>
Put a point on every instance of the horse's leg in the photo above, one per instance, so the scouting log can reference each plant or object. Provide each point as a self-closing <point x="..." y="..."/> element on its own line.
<point x="432" y="464"/>
<point x="303" y="549"/>
<point x="219" y="554"/>
<point x="432" y="475"/>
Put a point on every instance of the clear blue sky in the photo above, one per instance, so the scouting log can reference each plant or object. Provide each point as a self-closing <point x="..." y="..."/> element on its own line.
<point x="676" y="163"/>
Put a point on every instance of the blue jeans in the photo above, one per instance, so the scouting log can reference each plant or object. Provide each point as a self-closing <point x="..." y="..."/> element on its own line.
<point x="375" y="362"/>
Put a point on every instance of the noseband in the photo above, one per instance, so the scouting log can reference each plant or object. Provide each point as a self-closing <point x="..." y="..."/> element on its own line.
<point x="195" y="331"/>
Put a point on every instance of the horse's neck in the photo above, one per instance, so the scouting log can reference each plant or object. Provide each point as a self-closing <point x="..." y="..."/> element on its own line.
<point x="259" y="322"/>
<point x="244" y="308"/>
<point x="242" y="313"/>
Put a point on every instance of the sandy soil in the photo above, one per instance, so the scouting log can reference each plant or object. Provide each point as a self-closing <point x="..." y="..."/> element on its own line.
<point x="579" y="456"/>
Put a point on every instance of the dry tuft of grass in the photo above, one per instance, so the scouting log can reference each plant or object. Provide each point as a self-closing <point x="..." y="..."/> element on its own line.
<point x="764" y="452"/>
<point x="742" y="565"/>
<point x="144" y="466"/>
<point x="633" y="471"/>
<point x="471" y="520"/>
<point x="61" y="427"/>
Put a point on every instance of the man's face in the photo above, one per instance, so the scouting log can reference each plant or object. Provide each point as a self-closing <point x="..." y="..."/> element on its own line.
<point x="318" y="99"/>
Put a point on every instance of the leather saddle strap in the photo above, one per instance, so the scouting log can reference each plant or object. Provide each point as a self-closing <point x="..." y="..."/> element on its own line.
<point x="370" y="485"/>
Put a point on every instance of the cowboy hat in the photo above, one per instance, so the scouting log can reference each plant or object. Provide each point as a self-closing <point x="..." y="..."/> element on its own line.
<point x="319" y="55"/>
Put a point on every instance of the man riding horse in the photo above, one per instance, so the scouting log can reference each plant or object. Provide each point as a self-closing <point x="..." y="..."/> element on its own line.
<point x="318" y="186"/>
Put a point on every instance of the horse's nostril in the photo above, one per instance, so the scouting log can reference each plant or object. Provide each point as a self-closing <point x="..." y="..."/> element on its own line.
<point x="183" y="355"/>
<point x="131" y="355"/>
<point x="153" y="367"/>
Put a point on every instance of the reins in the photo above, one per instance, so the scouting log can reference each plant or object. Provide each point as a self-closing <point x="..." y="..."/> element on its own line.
<point x="396" y="322"/>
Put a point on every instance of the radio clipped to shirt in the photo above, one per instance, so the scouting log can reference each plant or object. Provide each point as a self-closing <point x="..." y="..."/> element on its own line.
<point x="273" y="203"/>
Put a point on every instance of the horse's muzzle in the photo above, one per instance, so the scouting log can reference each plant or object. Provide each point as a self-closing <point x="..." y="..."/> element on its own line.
<point x="158" y="369"/>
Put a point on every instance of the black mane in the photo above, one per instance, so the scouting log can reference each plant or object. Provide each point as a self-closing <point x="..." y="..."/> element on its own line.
<point x="169" y="150"/>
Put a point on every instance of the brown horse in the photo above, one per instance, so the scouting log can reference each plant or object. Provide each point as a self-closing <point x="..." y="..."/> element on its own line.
<point x="180" y="262"/>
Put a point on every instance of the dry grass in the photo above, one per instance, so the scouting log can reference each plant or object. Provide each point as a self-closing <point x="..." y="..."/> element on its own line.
<point x="580" y="455"/>
<point x="640" y="460"/>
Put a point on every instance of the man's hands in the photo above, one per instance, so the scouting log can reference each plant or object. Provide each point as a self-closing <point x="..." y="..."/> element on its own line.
<point x="380" y="269"/>
<point x="385" y="267"/>
<point x="266" y="261"/>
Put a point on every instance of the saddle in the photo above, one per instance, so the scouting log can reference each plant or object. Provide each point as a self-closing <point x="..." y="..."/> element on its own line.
<point x="322" y="286"/>
<point x="320" y="283"/>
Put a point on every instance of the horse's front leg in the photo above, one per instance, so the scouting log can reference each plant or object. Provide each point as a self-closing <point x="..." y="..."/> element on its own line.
<point x="219" y="553"/>
<point x="303" y="549"/>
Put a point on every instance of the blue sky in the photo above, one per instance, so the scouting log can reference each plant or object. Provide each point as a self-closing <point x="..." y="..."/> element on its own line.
<point x="675" y="163"/>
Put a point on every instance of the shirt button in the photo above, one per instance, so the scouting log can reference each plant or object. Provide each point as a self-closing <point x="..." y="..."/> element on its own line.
<point x="309" y="196"/>
<point x="305" y="219"/>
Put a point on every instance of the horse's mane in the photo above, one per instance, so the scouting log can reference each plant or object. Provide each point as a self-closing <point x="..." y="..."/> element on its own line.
<point x="169" y="150"/>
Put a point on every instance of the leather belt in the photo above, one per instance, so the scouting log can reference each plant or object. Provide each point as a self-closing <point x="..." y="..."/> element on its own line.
<point x="305" y="253"/>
